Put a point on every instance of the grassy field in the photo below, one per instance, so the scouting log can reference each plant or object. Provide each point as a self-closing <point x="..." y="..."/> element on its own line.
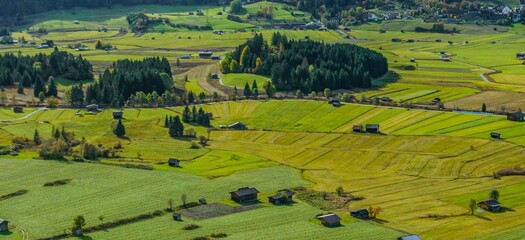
<point x="239" y="80"/>
<point x="427" y="163"/>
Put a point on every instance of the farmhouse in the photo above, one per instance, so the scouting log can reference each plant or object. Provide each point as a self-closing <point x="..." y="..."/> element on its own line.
<point x="172" y="162"/>
<point x="237" y="126"/>
<point x="284" y="196"/>
<point x="334" y="100"/>
<point x="18" y="109"/>
<point x="386" y="99"/>
<point x="495" y="135"/>
<point x="245" y="194"/>
<point x="215" y="57"/>
<point x="205" y="54"/>
<point x="409" y="237"/>
<point x="92" y="108"/>
<point x="361" y="214"/>
<point x="520" y="55"/>
<point x="372" y="128"/>
<point x="186" y="56"/>
<point x="214" y="76"/>
<point x="330" y="220"/>
<point x="490" y="205"/>
<point x="118" y="115"/>
<point x="357" y="128"/>
<point x="4" y="225"/>
<point x="516" y="116"/>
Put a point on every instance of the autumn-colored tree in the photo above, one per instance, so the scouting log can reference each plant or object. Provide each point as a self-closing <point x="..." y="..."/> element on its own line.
<point x="374" y="210"/>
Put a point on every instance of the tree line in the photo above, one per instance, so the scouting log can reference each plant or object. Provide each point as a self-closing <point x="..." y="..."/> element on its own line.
<point x="124" y="78"/>
<point x="306" y="65"/>
<point x="41" y="69"/>
<point x="26" y="7"/>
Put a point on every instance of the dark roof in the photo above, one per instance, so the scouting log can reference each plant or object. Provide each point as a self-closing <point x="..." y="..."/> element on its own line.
<point x="359" y="212"/>
<point x="288" y="193"/>
<point x="358" y="127"/>
<point x="330" y="218"/>
<point x="173" y="160"/>
<point x="409" y="237"/>
<point x="372" y="125"/>
<point x="518" y="114"/>
<point x="245" y="191"/>
<point x="492" y="203"/>
<point x="3" y="220"/>
<point x="118" y="114"/>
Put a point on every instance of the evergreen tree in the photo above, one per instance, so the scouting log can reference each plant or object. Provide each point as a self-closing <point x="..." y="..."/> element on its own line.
<point x="254" y="84"/>
<point x="166" y="122"/>
<point x="247" y="91"/>
<point x="120" y="130"/>
<point x="39" y="87"/>
<point x="26" y="79"/>
<point x="186" y="115"/>
<point x="56" y="134"/>
<point x="36" y="138"/>
<point x="20" y="89"/>
<point x="484" y="108"/>
<point x="191" y="97"/>
<point x="52" y="88"/>
<point x="194" y="114"/>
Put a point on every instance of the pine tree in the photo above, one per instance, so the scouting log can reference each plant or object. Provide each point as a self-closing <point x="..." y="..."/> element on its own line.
<point x="483" y="107"/>
<point x="254" y="84"/>
<point x="26" y="79"/>
<point x="20" y="89"/>
<point x="166" y="122"/>
<point x="52" y="89"/>
<point x="194" y="114"/>
<point x="56" y="134"/>
<point x="36" y="138"/>
<point x="247" y="91"/>
<point x="186" y="115"/>
<point x="191" y="97"/>
<point x="120" y="130"/>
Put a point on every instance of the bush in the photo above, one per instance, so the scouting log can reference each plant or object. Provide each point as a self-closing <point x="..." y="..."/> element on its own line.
<point x="194" y="145"/>
<point x="191" y="227"/>
<point x="57" y="183"/>
<point x="219" y="235"/>
<point x="201" y="238"/>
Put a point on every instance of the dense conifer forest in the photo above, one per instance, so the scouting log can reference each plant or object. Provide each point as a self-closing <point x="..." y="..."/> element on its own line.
<point x="36" y="70"/>
<point x="127" y="77"/>
<point x="307" y="65"/>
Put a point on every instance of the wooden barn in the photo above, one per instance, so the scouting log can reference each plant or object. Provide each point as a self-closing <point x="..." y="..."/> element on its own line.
<point x="361" y="214"/>
<point x="237" y="126"/>
<point x="92" y="108"/>
<point x="118" y="115"/>
<point x="334" y="100"/>
<point x="495" y="135"/>
<point x="18" y="109"/>
<point x="205" y="54"/>
<point x="245" y="194"/>
<point x="330" y="220"/>
<point x="515" y="116"/>
<point x="172" y="162"/>
<point x="372" y="128"/>
<point x="215" y="57"/>
<point x="4" y="225"/>
<point x="357" y="128"/>
<point x="490" y="205"/>
<point x="284" y="196"/>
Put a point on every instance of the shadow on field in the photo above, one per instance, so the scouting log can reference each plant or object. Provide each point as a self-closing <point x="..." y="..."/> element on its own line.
<point x="380" y="221"/>
<point x="483" y="218"/>
<point x="288" y="204"/>
<point x="85" y="237"/>
<point x="6" y="233"/>
<point x="506" y="209"/>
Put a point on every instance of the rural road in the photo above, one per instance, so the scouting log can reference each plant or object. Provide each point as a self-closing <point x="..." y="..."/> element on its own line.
<point x="25" y="234"/>
<point x="482" y="75"/>
<point x="26" y="116"/>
